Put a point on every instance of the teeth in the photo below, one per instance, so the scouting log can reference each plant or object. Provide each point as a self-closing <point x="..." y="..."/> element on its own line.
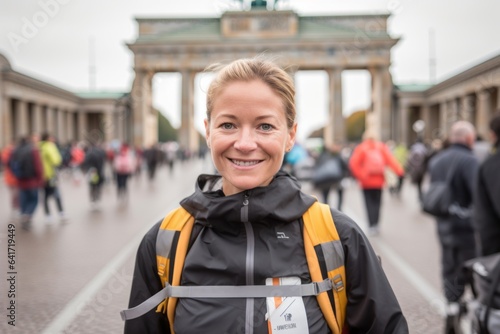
<point x="245" y="163"/>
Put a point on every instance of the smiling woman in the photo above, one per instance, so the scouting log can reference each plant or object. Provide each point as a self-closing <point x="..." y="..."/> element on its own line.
<point x="253" y="253"/>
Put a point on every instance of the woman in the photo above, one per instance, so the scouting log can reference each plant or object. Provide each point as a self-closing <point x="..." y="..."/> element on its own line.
<point x="124" y="165"/>
<point x="248" y="222"/>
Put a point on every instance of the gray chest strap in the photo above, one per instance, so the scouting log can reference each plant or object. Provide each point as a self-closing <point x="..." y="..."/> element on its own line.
<point x="227" y="291"/>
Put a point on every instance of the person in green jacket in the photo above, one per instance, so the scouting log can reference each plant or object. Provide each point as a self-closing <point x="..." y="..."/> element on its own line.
<point x="51" y="159"/>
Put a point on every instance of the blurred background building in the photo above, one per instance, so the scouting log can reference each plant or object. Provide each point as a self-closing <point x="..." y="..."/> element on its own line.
<point x="330" y="43"/>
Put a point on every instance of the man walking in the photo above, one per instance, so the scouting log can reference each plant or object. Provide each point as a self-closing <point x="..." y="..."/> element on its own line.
<point x="455" y="231"/>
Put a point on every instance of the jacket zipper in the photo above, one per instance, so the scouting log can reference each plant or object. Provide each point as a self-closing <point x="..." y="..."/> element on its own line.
<point x="250" y="262"/>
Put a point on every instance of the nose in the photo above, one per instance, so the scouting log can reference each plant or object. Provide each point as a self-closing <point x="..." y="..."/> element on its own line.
<point x="246" y="141"/>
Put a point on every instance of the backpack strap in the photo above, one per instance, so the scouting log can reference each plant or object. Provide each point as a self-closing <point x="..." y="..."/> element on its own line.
<point x="171" y="249"/>
<point x="325" y="258"/>
<point x="171" y="243"/>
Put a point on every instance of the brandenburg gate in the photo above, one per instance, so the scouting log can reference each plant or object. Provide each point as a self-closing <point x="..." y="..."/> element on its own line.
<point x="329" y="43"/>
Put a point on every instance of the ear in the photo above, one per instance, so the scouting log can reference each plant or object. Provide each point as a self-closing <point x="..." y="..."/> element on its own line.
<point x="207" y="131"/>
<point x="291" y="137"/>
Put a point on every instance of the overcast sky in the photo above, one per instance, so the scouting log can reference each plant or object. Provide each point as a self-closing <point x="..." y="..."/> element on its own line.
<point x="57" y="49"/>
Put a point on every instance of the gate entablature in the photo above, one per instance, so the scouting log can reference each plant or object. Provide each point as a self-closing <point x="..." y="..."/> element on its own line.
<point x="330" y="43"/>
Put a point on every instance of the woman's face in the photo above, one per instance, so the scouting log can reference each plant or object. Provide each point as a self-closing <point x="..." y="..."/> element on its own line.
<point x="248" y="135"/>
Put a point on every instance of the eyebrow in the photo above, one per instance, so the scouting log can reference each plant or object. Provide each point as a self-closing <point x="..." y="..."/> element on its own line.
<point x="232" y="116"/>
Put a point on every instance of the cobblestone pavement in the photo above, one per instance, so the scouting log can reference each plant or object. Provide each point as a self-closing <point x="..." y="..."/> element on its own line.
<point x="75" y="277"/>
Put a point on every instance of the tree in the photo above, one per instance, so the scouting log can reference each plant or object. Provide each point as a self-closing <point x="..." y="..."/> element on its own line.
<point x="166" y="132"/>
<point x="355" y="125"/>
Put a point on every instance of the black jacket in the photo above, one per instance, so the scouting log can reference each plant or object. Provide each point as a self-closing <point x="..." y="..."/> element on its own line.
<point x="219" y="256"/>
<point x="487" y="205"/>
<point x="459" y="160"/>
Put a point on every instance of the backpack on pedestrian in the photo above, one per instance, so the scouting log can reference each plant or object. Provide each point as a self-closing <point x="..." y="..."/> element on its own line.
<point x="374" y="162"/>
<point x="22" y="162"/>
<point x="328" y="172"/>
<point x="324" y="254"/>
<point x="124" y="163"/>
<point x="416" y="164"/>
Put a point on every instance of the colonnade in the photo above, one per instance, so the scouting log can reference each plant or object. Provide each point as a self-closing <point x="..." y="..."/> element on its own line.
<point x="472" y="95"/>
<point x="65" y="123"/>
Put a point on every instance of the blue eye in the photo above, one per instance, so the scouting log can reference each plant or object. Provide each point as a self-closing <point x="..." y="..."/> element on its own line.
<point x="227" y="126"/>
<point x="266" y="127"/>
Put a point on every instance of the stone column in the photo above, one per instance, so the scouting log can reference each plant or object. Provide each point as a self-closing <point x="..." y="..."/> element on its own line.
<point x="453" y="112"/>
<point x="467" y="108"/>
<point x="188" y="136"/>
<point x="37" y="119"/>
<point x="497" y="107"/>
<point x="381" y="101"/>
<point x="334" y="129"/>
<point x="484" y="110"/>
<point x="21" y="115"/>
<point x="404" y="124"/>
<point x="50" y="120"/>
<point x="443" y="121"/>
<point x="82" y="125"/>
<point x="426" y="117"/>
<point x="141" y="105"/>
<point x="61" y="133"/>
<point x="70" y="136"/>
<point x="6" y="131"/>
<point x="119" y="121"/>
<point x="108" y="126"/>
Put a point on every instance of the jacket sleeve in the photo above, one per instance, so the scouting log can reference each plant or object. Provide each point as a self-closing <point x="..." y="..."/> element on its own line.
<point x="391" y="160"/>
<point x="372" y="307"/>
<point x="487" y="211"/>
<point x="145" y="284"/>
<point x="355" y="162"/>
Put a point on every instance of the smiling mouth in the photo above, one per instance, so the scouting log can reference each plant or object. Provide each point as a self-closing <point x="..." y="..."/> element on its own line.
<point x="242" y="163"/>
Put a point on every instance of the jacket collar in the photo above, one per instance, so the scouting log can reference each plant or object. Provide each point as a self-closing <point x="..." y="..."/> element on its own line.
<point x="280" y="201"/>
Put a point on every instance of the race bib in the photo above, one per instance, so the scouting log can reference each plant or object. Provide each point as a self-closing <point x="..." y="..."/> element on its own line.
<point x="286" y="315"/>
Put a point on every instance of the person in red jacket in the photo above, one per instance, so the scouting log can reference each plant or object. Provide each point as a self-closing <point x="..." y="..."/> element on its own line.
<point x="10" y="180"/>
<point x="367" y="165"/>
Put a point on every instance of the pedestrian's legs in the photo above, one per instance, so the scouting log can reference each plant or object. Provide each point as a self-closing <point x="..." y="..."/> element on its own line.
<point x="57" y="196"/>
<point x="23" y="201"/>
<point x="419" y="189"/>
<point x="454" y="281"/>
<point x="340" y="193"/>
<point x="373" y="199"/>
<point x="28" y="199"/>
<point x="32" y="195"/>
<point x="47" y="192"/>
<point x="325" y="192"/>
<point x="14" y="195"/>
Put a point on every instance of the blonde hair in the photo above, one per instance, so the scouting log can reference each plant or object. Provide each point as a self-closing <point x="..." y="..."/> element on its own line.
<point x="248" y="69"/>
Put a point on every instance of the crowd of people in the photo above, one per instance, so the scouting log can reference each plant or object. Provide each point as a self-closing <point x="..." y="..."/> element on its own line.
<point x="469" y="165"/>
<point x="249" y="226"/>
<point x="33" y="167"/>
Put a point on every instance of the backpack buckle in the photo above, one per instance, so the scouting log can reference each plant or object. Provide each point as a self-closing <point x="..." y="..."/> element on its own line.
<point x="338" y="283"/>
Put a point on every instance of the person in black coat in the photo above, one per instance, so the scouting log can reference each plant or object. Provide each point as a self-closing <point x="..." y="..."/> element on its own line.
<point x="93" y="165"/>
<point x="487" y="197"/>
<point x="455" y="230"/>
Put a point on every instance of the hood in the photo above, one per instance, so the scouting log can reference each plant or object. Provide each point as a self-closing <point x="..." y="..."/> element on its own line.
<point x="280" y="201"/>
